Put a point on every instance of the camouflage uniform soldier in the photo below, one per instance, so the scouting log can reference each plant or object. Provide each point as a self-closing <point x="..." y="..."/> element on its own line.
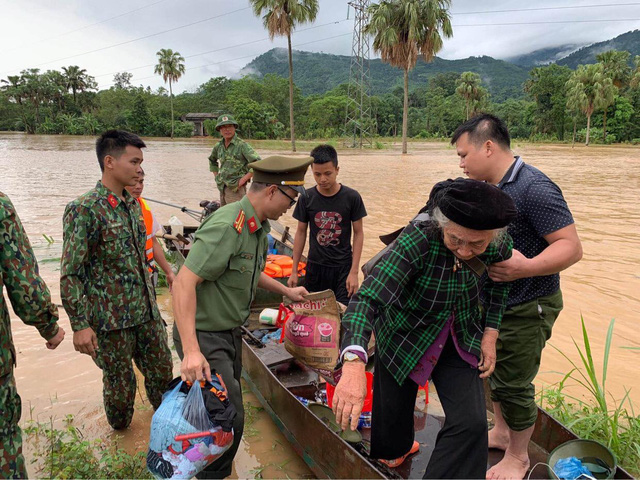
<point x="31" y="301"/>
<point x="229" y="161"/>
<point x="104" y="283"/>
<point x="214" y="289"/>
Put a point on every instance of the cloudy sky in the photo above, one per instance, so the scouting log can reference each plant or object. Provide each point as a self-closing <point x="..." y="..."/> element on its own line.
<point x="218" y="38"/>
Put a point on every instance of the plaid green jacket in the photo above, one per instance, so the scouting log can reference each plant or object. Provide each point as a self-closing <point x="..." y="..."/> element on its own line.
<point x="412" y="291"/>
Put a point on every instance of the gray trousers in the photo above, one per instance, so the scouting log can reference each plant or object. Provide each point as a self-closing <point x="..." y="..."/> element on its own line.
<point x="223" y="351"/>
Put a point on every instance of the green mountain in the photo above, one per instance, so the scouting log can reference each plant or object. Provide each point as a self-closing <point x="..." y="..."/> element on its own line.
<point x="544" y="56"/>
<point x="316" y="73"/>
<point x="629" y="41"/>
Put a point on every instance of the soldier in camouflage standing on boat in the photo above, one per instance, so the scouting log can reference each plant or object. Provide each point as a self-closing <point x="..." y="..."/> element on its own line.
<point x="229" y="161"/>
<point x="104" y="283"/>
<point x="31" y="301"/>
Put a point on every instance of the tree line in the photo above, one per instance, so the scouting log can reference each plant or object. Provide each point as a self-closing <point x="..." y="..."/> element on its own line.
<point x="601" y="99"/>
<point x="595" y="103"/>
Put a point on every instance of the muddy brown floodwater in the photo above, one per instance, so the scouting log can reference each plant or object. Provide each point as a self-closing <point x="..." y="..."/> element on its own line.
<point x="42" y="174"/>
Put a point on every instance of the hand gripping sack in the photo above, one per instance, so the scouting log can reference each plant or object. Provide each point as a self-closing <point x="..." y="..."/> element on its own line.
<point x="192" y="428"/>
<point x="312" y="331"/>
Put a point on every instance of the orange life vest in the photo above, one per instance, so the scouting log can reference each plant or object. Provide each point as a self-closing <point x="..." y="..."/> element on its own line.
<point x="281" y="266"/>
<point x="148" y="223"/>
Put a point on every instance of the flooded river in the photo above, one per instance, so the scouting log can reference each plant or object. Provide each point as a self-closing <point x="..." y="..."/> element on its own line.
<point x="42" y="174"/>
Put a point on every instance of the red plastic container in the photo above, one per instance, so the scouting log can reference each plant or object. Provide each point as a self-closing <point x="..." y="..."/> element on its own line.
<point x="368" y="400"/>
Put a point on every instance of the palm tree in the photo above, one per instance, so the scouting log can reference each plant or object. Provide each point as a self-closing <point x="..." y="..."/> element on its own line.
<point x="77" y="79"/>
<point x="280" y="18"/>
<point x="171" y="67"/>
<point x="468" y="87"/>
<point x="615" y="64"/>
<point x="14" y="88"/>
<point x="403" y="30"/>
<point x="588" y="89"/>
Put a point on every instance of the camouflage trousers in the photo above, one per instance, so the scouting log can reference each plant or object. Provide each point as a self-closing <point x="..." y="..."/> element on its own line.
<point x="11" y="459"/>
<point x="228" y="195"/>
<point x="147" y="346"/>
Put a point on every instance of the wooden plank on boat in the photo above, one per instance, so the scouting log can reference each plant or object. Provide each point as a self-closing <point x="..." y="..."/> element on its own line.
<point x="272" y="355"/>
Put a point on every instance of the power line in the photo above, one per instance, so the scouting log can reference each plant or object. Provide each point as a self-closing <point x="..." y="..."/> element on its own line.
<point x="350" y="33"/>
<point x="85" y="27"/>
<point x="548" y="8"/>
<point x="548" y="22"/>
<point x="243" y="57"/>
<point x="136" y="39"/>
<point x="223" y="48"/>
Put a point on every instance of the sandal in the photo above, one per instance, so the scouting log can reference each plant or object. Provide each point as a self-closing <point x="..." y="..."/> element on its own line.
<point x="398" y="461"/>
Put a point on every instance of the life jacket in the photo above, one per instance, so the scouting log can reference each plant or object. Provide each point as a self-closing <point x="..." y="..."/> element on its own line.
<point x="148" y="223"/>
<point x="281" y="266"/>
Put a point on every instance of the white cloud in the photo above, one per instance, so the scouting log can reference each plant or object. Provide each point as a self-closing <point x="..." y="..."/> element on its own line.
<point x="23" y="25"/>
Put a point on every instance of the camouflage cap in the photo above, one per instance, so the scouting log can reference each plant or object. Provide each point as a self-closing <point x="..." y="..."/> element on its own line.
<point x="278" y="170"/>
<point x="225" y="120"/>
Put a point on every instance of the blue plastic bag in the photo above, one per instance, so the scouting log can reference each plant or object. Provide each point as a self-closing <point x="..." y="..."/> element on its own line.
<point x="184" y="438"/>
<point x="570" y="468"/>
<point x="272" y="337"/>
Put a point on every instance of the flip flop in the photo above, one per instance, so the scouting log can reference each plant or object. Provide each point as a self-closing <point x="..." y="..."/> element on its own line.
<point x="398" y="461"/>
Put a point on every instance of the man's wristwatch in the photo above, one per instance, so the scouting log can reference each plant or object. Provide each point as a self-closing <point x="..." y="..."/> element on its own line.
<point x="350" y="356"/>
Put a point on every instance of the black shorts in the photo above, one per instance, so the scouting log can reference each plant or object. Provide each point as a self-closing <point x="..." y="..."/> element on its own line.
<point x="322" y="277"/>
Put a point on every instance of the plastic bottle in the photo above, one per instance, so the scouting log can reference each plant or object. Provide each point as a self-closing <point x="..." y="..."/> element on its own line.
<point x="177" y="227"/>
<point x="268" y="316"/>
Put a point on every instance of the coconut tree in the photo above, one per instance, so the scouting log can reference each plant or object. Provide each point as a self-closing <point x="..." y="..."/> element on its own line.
<point x="171" y="67"/>
<point x="404" y="30"/>
<point x="589" y="89"/>
<point x="13" y="88"/>
<point x="615" y="64"/>
<point x="469" y="88"/>
<point x="76" y="79"/>
<point x="280" y="18"/>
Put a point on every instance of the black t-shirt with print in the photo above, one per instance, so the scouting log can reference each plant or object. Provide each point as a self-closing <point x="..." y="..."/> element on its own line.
<point x="329" y="220"/>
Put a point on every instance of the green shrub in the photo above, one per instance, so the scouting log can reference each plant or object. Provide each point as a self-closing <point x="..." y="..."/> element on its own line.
<point x="616" y="427"/>
<point x="66" y="454"/>
<point x="183" y="129"/>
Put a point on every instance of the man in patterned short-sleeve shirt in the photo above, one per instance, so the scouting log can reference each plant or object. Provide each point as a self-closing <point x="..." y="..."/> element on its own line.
<point x="545" y="242"/>
<point x="229" y="161"/>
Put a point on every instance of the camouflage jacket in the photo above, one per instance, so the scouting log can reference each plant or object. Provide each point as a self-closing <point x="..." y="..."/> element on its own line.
<point x="27" y="292"/>
<point x="103" y="279"/>
<point x="233" y="161"/>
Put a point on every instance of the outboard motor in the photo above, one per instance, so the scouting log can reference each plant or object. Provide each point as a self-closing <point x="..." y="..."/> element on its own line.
<point x="209" y="207"/>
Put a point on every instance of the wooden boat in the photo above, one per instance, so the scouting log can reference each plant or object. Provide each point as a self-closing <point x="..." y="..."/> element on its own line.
<point x="279" y="380"/>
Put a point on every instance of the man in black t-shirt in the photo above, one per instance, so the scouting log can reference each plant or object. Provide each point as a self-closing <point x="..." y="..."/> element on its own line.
<point x="331" y="211"/>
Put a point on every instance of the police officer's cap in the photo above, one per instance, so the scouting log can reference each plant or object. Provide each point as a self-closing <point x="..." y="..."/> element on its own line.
<point x="278" y="170"/>
<point x="225" y="120"/>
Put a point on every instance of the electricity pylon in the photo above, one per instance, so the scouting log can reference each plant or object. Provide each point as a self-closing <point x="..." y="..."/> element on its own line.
<point x="358" y="123"/>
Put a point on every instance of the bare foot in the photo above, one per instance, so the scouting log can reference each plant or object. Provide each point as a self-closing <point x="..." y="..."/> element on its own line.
<point x="509" y="468"/>
<point x="498" y="439"/>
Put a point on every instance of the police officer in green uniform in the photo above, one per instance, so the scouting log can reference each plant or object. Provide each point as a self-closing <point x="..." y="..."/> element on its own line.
<point x="105" y="285"/>
<point x="31" y="301"/>
<point x="229" y="161"/>
<point x="214" y="289"/>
